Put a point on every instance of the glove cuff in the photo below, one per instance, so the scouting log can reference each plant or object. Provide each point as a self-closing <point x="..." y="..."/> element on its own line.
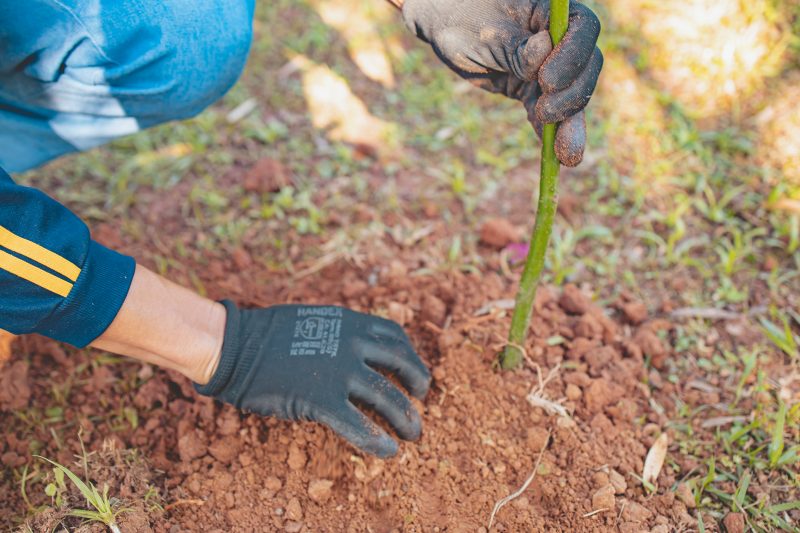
<point x="230" y="352"/>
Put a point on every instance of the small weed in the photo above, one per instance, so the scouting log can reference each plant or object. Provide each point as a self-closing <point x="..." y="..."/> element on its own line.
<point x="105" y="509"/>
<point x="152" y="500"/>
<point x="782" y="337"/>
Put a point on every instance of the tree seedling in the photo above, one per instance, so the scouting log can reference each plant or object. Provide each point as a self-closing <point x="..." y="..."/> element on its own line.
<point x="548" y="184"/>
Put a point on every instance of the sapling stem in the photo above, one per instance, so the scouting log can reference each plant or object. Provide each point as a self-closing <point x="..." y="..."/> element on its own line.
<point x="548" y="201"/>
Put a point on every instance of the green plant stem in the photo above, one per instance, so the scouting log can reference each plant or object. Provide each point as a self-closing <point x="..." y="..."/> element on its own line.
<point x="548" y="201"/>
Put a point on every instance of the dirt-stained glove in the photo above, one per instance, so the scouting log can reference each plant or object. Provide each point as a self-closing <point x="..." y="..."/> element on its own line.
<point x="302" y="362"/>
<point x="503" y="46"/>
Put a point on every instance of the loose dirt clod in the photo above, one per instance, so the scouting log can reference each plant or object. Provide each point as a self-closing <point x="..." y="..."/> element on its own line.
<point x="618" y="481"/>
<point x="319" y="490"/>
<point x="651" y="346"/>
<point x="273" y="484"/>
<point x="499" y="233"/>
<point x="601" y="393"/>
<point x="402" y="314"/>
<point x="15" y="392"/>
<point x="293" y="510"/>
<point x="573" y="392"/>
<point x="603" y="499"/>
<point x="434" y="309"/>
<point x="192" y="445"/>
<point x="636" y="512"/>
<point x="574" y="301"/>
<point x="265" y="176"/>
<point x="635" y="312"/>
<point x="225" y="449"/>
<point x="734" y="523"/>
<point x="297" y="457"/>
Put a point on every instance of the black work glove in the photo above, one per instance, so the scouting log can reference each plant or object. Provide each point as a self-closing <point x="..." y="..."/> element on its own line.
<point x="302" y="362"/>
<point x="503" y="46"/>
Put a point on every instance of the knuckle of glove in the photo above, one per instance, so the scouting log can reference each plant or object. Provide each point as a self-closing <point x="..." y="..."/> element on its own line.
<point x="558" y="105"/>
<point x="568" y="60"/>
<point x="573" y="53"/>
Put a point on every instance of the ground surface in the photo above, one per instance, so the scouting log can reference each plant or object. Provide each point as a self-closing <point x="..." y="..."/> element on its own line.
<point x="366" y="175"/>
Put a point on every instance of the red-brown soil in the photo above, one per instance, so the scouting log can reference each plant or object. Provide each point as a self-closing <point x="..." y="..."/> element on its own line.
<point x="219" y="470"/>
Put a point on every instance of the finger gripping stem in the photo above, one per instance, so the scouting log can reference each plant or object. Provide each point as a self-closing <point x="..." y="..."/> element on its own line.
<point x="548" y="200"/>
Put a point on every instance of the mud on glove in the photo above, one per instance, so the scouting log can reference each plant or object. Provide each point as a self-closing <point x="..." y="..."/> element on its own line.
<point x="302" y="362"/>
<point x="503" y="46"/>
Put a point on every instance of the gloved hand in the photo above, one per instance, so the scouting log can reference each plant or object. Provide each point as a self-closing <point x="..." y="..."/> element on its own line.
<point x="304" y="362"/>
<point x="503" y="46"/>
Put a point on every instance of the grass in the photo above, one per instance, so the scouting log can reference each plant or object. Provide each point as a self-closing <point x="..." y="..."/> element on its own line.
<point x="747" y="465"/>
<point x="103" y="509"/>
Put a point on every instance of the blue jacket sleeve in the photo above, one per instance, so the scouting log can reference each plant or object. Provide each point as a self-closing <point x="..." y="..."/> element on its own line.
<point x="54" y="279"/>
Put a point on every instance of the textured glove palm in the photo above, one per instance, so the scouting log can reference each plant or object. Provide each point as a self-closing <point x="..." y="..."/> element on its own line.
<point x="304" y="362"/>
<point x="503" y="46"/>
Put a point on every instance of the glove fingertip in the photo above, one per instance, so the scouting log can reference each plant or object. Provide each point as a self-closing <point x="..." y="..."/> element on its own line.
<point x="570" y="140"/>
<point x="422" y="392"/>
<point x="420" y="387"/>
<point x="386" y="447"/>
<point x="569" y="155"/>
<point x="412" y="431"/>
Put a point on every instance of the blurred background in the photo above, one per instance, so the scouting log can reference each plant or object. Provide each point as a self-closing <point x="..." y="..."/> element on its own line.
<point x="694" y="135"/>
<point x="692" y="172"/>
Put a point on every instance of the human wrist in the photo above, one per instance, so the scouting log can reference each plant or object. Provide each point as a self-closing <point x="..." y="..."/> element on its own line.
<point x="226" y="359"/>
<point x="202" y="367"/>
<point x="167" y="325"/>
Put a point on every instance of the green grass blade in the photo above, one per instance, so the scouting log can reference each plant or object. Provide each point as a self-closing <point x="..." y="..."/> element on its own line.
<point x="710" y="477"/>
<point x="790" y="456"/>
<point x="87" y="515"/>
<point x="776" y="444"/>
<point x="781" y="507"/>
<point x="741" y="492"/>
<point x="783" y="338"/>
<point x="78" y="482"/>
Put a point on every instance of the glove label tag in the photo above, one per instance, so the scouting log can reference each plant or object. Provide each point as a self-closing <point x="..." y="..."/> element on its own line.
<point x="317" y="331"/>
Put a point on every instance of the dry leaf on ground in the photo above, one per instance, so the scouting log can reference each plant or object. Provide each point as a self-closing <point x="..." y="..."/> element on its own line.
<point x="655" y="459"/>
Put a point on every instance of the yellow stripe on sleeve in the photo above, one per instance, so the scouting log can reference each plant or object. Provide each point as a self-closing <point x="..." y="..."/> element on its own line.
<point x="38" y="253"/>
<point x="34" y="274"/>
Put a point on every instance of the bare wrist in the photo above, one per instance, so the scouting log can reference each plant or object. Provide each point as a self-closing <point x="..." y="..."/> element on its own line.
<point x="206" y="367"/>
<point x="165" y="324"/>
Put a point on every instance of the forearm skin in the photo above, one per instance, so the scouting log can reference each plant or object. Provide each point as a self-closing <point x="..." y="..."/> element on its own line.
<point x="167" y="325"/>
